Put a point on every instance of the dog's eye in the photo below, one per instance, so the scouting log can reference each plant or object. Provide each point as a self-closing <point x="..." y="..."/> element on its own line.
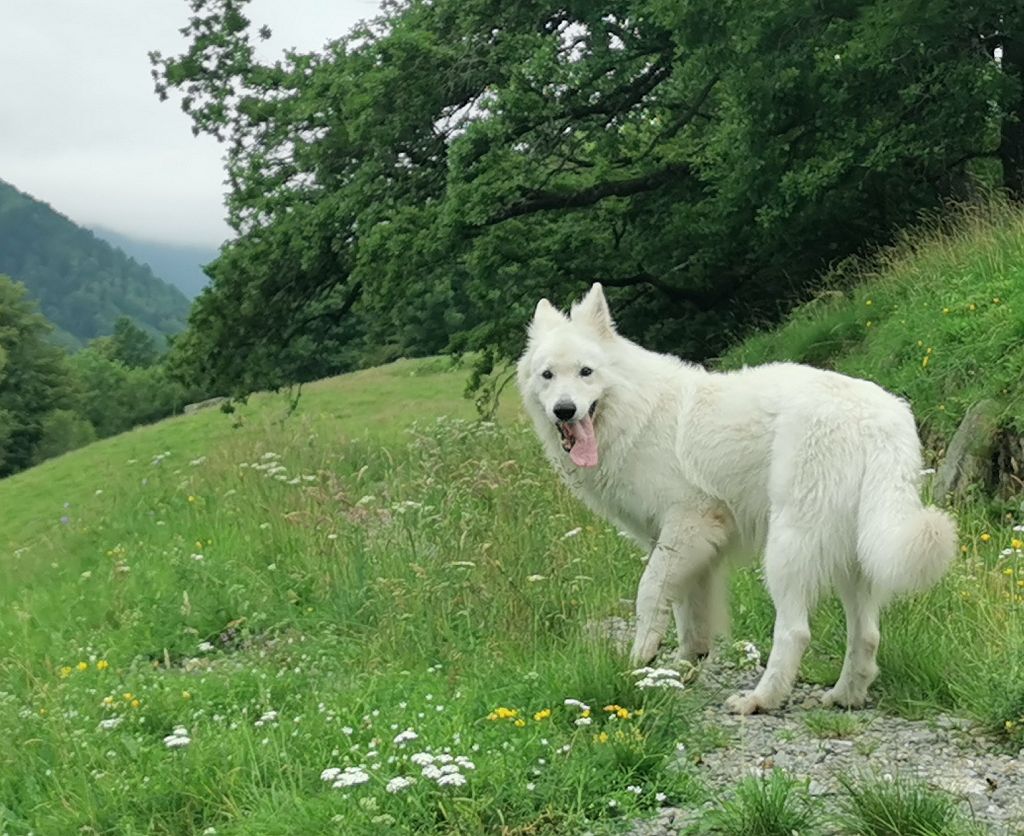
<point x="586" y="371"/>
<point x="547" y="374"/>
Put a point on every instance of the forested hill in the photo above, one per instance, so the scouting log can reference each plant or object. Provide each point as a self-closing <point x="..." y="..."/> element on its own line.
<point x="81" y="283"/>
<point x="179" y="264"/>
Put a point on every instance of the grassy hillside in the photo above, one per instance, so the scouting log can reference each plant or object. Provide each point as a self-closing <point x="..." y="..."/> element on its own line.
<point x="198" y="619"/>
<point x="939" y="319"/>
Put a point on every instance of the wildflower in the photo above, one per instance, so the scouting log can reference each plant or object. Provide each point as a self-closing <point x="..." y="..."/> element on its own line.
<point x="633" y="788"/>
<point x="352" y="776"/>
<point x="135" y="703"/>
<point x="543" y="714"/>
<point x="422" y="758"/>
<point x="623" y="714"/>
<point x="985" y="537"/>
<point x="178" y="738"/>
<point x="660" y="797"/>
<point x="186" y="695"/>
<point x="205" y="647"/>
<point x="502" y="713"/>
<point x="928" y="471"/>
<point x="602" y="737"/>
<point x="582" y="706"/>
<point x="82" y="666"/>
<point x="583" y="721"/>
<point x="111" y="723"/>
<point x="404" y="737"/>
<point x="330" y="774"/>
<point x="108" y="701"/>
<point x="1017" y="543"/>
<point x="453" y="779"/>
<point x="519" y="723"/>
<point x="531" y="787"/>
<point x="465" y="762"/>
<point x="102" y="665"/>
<point x="65" y="672"/>
<point x="1008" y="570"/>
<point x="398" y="784"/>
<point x="572" y="533"/>
<point x="536" y="578"/>
<point x="197" y="557"/>
<point x="1018" y="528"/>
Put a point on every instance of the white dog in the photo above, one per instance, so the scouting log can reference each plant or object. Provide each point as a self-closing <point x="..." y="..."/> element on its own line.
<point x="817" y="470"/>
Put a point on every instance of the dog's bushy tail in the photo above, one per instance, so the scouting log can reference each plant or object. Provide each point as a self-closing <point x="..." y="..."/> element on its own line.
<point x="903" y="546"/>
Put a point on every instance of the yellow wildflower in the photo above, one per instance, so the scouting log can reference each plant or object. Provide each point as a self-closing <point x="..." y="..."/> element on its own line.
<point x="108" y="700"/>
<point x="1008" y="571"/>
<point x="602" y="737"/>
<point x="136" y="703"/>
<point x="1017" y="543"/>
<point x="520" y="723"/>
<point x="623" y="714"/>
<point x="945" y="311"/>
<point x="82" y="666"/>
<point x="128" y="696"/>
<point x="186" y="695"/>
<point x="585" y="713"/>
<point x="611" y="709"/>
<point x="65" y="672"/>
<point x="102" y="665"/>
<point x="543" y="714"/>
<point x="986" y="537"/>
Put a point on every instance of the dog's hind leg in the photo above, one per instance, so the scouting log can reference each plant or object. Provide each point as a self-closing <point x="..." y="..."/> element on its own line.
<point x="679" y="566"/>
<point x="792" y="556"/>
<point x="861" y="604"/>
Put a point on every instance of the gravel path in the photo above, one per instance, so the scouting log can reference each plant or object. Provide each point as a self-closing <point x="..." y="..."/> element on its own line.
<point x="945" y="752"/>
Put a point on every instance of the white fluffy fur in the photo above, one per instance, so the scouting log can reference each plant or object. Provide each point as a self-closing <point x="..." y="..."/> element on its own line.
<point x="816" y="470"/>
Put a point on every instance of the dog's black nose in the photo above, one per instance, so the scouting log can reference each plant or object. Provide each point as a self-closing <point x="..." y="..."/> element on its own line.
<point x="565" y="410"/>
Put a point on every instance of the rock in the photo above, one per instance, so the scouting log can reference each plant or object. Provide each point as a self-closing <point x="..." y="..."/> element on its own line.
<point x="192" y="408"/>
<point x="971" y="450"/>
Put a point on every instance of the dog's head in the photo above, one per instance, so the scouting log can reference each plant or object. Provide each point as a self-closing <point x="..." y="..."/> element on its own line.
<point x="566" y="371"/>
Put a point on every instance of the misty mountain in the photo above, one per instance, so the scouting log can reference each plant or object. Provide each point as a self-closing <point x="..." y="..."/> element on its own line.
<point x="82" y="283"/>
<point x="179" y="264"/>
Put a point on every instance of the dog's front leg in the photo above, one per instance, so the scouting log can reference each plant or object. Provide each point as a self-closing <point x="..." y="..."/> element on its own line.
<point x="653" y="608"/>
<point x="679" y="567"/>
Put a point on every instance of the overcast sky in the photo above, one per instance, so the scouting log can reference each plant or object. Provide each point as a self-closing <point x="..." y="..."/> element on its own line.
<point x="83" y="130"/>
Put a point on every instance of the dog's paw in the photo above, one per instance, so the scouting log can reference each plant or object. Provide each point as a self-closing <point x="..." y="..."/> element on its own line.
<point x="844" y="698"/>
<point x="742" y="704"/>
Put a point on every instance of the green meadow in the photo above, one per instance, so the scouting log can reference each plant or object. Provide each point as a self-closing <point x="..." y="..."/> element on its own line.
<point x="366" y="611"/>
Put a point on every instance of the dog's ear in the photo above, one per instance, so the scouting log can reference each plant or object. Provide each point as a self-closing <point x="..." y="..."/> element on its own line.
<point x="593" y="311"/>
<point x="545" y="316"/>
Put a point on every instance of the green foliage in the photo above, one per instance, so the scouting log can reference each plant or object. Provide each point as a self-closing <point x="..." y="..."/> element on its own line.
<point x="421" y="182"/>
<point x="115" y="396"/>
<point x="34" y="378"/>
<point x="61" y="431"/>
<point x="82" y="284"/>
<point x="131" y="345"/>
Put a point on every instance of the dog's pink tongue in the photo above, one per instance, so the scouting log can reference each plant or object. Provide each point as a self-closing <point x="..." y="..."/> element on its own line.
<point x="584" y="450"/>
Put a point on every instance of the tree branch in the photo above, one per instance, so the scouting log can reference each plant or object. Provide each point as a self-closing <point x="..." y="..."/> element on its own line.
<point x="589" y="195"/>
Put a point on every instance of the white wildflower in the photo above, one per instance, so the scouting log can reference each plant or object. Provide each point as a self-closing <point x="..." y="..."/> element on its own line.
<point x="205" y="647"/>
<point x="583" y="721"/>
<point x="111" y="723"/>
<point x="398" y="784"/>
<point x="453" y="779"/>
<point x="582" y="706"/>
<point x="422" y="758"/>
<point x="404" y="737"/>
<point x="633" y="788"/>
<point x="572" y="533"/>
<point x="352" y="776"/>
<point x="536" y="578"/>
